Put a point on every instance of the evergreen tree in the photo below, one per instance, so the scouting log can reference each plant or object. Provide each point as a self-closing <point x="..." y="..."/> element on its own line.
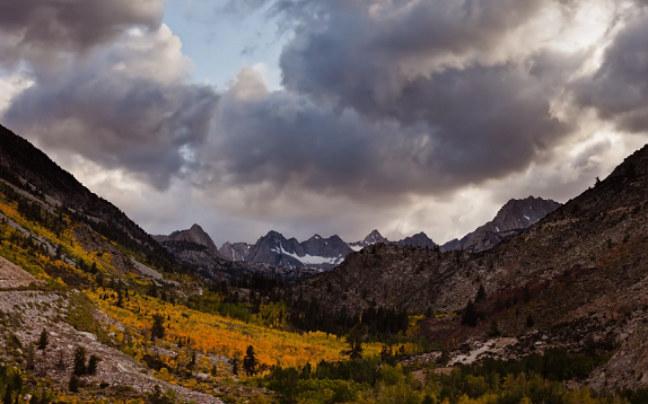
<point x="355" y="348"/>
<point x="494" y="331"/>
<point x="250" y="362"/>
<point x="42" y="340"/>
<point x="73" y="384"/>
<point x="79" y="368"/>
<point x="93" y="362"/>
<point x="470" y="316"/>
<point x="235" y="364"/>
<point x="7" y="399"/>
<point x="157" y="329"/>
<point x="481" y="294"/>
<point x="120" y="298"/>
<point x="529" y="321"/>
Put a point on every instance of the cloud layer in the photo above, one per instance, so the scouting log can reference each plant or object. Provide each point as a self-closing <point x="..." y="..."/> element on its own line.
<point x="397" y="106"/>
<point x="619" y="89"/>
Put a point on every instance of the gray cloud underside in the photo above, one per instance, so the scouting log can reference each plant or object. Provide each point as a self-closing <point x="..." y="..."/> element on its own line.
<point x="457" y="127"/>
<point x="38" y="29"/>
<point x="619" y="89"/>
<point x="357" y="120"/>
<point x="382" y="98"/>
<point x="139" y="125"/>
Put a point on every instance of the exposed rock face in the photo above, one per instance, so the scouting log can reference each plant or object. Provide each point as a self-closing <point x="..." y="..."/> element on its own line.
<point x="374" y="237"/>
<point x="236" y="252"/>
<point x="35" y="310"/>
<point x="195" y="234"/>
<point x="580" y="274"/>
<point x="25" y="166"/>
<point x="515" y="216"/>
<point x="316" y="252"/>
<point x="418" y="240"/>
<point x="12" y="276"/>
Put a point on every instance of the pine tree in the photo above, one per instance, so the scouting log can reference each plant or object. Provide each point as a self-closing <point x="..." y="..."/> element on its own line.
<point x="355" y="349"/>
<point x="79" y="368"/>
<point x="470" y="316"/>
<point x="494" y="331"/>
<point x="73" y="384"/>
<point x="42" y="340"/>
<point x="120" y="298"/>
<point x="235" y="363"/>
<point x="529" y="321"/>
<point x="250" y="362"/>
<point x="481" y="294"/>
<point x="93" y="362"/>
<point x="157" y="329"/>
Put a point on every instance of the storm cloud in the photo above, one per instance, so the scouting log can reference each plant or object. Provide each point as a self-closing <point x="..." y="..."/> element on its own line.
<point x="119" y="96"/>
<point x="385" y="103"/>
<point x="618" y="90"/>
<point x="386" y="99"/>
<point x="38" y="30"/>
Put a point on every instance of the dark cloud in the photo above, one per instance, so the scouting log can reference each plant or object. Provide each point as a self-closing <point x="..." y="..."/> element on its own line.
<point x="373" y="110"/>
<point x="39" y="29"/>
<point x="139" y="125"/>
<point x="619" y="89"/>
<point x="344" y="50"/>
<point x="382" y="99"/>
<point x="126" y="105"/>
<point x="453" y="128"/>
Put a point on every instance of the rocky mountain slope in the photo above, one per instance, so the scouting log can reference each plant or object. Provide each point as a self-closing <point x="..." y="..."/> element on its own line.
<point x="576" y="277"/>
<point x="195" y="235"/>
<point x="235" y="251"/>
<point x="26" y="167"/>
<point x="515" y="216"/>
<point x="316" y="252"/>
<point x="59" y="245"/>
<point x="418" y="240"/>
<point x="374" y="237"/>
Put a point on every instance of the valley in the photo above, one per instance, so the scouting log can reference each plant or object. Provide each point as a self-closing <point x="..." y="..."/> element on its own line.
<point x="496" y="317"/>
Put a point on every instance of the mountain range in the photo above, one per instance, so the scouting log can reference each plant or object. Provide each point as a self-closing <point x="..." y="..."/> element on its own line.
<point x="324" y="253"/>
<point x="515" y="216"/>
<point x="539" y="278"/>
<point x="575" y="279"/>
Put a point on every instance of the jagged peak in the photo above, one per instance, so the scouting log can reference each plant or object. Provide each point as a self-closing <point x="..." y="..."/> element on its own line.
<point x="196" y="227"/>
<point x="194" y="234"/>
<point x="374" y="236"/>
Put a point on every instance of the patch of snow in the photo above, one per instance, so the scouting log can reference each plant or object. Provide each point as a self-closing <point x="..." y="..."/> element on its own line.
<point x="309" y="259"/>
<point x="527" y="218"/>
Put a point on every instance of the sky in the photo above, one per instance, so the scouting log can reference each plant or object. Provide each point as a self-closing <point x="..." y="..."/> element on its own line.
<point x="327" y="116"/>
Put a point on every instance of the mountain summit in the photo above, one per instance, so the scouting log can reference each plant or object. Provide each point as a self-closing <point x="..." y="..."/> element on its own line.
<point x="515" y="216"/>
<point x="374" y="237"/>
<point x="316" y="252"/>
<point x="195" y="234"/>
<point x="576" y="278"/>
<point x="418" y="240"/>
